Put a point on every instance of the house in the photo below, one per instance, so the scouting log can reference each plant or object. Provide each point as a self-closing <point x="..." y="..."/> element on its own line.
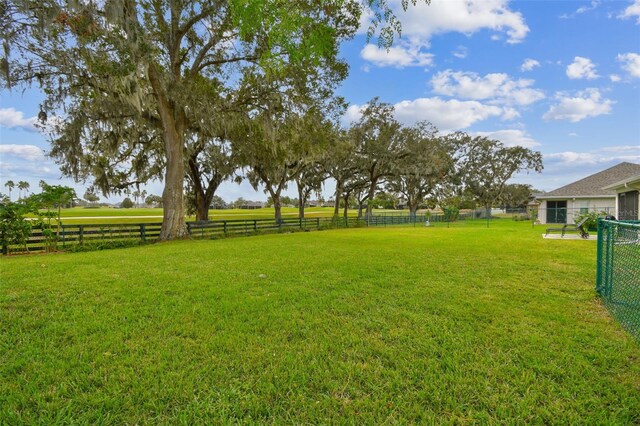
<point x="251" y="205"/>
<point x="627" y="197"/>
<point x="593" y="193"/>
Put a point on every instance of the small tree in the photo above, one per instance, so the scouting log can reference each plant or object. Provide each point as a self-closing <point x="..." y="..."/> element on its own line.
<point x="153" y="200"/>
<point x="90" y="196"/>
<point x="126" y="203"/>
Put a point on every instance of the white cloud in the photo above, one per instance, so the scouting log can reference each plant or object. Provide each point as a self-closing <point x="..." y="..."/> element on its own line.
<point x="421" y="22"/>
<point x="497" y="87"/>
<point x="511" y="137"/>
<point x="461" y="52"/>
<point x="586" y="103"/>
<point x="464" y="16"/>
<point x="11" y="118"/>
<point x="633" y="149"/>
<point x="582" y="68"/>
<point x="582" y="9"/>
<point x="573" y="134"/>
<point x="614" y="78"/>
<point x="446" y="115"/>
<point x="529" y="64"/>
<point x="605" y="155"/>
<point x="397" y="56"/>
<point x="633" y="11"/>
<point x="26" y="152"/>
<point x="630" y="63"/>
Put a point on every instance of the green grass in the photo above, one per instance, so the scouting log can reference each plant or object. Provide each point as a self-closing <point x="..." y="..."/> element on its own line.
<point x="463" y="325"/>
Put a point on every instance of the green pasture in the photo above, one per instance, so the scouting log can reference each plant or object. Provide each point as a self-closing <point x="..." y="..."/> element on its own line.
<point x="104" y="215"/>
<point x="459" y="325"/>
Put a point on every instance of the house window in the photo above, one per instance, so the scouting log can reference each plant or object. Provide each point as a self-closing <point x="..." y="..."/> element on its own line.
<point x="557" y="211"/>
<point x="628" y="205"/>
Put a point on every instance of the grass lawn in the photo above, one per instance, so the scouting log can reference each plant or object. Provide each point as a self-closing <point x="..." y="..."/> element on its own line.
<point x="464" y="325"/>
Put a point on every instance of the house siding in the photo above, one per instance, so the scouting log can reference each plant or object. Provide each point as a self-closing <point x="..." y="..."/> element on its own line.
<point x="575" y="206"/>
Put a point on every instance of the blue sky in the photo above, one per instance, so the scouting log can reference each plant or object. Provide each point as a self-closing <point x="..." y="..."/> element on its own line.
<point x="561" y="77"/>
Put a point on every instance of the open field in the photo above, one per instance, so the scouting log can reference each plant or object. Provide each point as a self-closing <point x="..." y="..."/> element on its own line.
<point x="363" y="326"/>
<point x="79" y="215"/>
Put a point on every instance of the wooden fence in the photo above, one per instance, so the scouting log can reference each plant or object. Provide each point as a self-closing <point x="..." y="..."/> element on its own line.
<point x="67" y="236"/>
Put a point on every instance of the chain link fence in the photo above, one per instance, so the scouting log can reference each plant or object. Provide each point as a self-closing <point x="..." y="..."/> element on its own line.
<point x="618" y="271"/>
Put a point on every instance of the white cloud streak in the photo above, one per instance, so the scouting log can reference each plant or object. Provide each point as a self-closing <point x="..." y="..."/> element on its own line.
<point x="529" y="64"/>
<point x="12" y="119"/>
<point x="630" y="63"/>
<point x="446" y="115"/>
<point x="25" y="152"/>
<point x="511" y="137"/>
<point x="582" y="68"/>
<point x="397" y="56"/>
<point x="633" y="11"/>
<point x="499" y="88"/>
<point x="586" y="103"/>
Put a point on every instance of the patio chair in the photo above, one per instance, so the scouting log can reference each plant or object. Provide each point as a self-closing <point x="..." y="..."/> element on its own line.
<point x="578" y="227"/>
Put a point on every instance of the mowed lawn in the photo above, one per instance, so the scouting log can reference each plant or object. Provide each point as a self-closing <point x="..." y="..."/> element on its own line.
<point x="463" y="325"/>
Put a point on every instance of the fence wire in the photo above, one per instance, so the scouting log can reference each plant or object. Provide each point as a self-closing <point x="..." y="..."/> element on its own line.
<point x="618" y="271"/>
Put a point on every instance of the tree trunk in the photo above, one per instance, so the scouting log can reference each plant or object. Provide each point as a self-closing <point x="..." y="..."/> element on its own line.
<point x="370" y="195"/>
<point x="413" y="208"/>
<point x="301" y="200"/>
<point x="202" y="207"/>
<point x="173" y="224"/>
<point x="336" y="208"/>
<point x="346" y="204"/>
<point x="173" y="216"/>
<point x="277" y="207"/>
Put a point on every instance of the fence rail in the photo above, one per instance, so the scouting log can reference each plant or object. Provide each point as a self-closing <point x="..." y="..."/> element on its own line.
<point x="618" y="271"/>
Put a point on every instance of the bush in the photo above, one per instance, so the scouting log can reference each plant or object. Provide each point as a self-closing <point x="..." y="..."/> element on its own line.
<point x="451" y="213"/>
<point x="592" y="219"/>
<point x="14" y="228"/>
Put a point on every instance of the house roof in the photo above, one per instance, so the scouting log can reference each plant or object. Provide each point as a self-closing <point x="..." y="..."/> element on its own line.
<point x="598" y="184"/>
<point x="630" y="181"/>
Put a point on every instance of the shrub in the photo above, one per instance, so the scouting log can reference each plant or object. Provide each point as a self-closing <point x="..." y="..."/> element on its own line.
<point x="592" y="219"/>
<point x="451" y="213"/>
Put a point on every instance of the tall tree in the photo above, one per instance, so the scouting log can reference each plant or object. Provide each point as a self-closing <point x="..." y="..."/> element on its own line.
<point x="23" y="186"/>
<point x="376" y="136"/>
<point x="133" y="71"/>
<point x="488" y="165"/>
<point x="426" y="162"/>
<point x="209" y="163"/>
<point x="10" y="185"/>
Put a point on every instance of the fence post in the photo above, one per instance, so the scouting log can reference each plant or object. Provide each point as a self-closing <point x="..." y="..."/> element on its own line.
<point x="81" y="234"/>
<point x="255" y="225"/>
<point x="224" y="227"/>
<point x="63" y="236"/>
<point x="317" y="223"/>
<point x="143" y="232"/>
